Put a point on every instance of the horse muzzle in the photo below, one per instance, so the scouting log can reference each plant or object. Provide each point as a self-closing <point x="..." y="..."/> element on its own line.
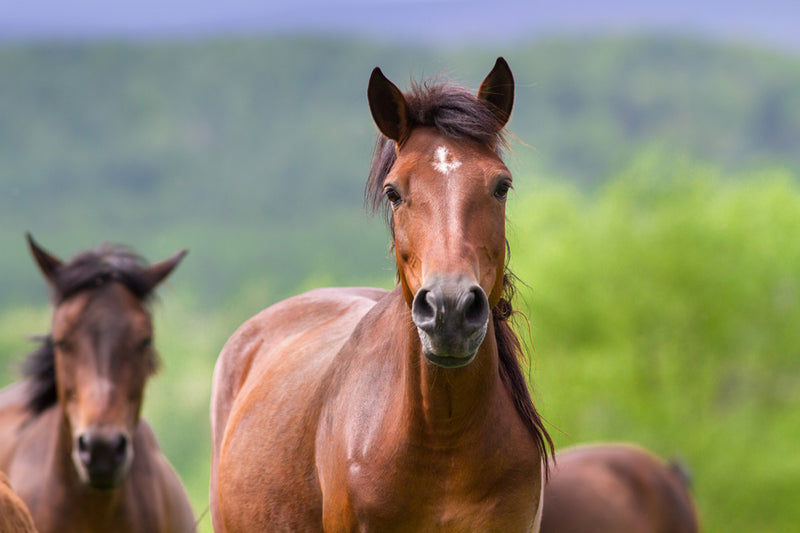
<point x="451" y="315"/>
<point x="102" y="457"/>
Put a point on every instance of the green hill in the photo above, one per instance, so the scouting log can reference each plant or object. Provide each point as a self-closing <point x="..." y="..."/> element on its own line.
<point x="252" y="153"/>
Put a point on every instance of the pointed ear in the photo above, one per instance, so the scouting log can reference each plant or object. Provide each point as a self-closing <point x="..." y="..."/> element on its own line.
<point x="48" y="263"/>
<point x="388" y="107"/>
<point x="498" y="90"/>
<point x="158" y="272"/>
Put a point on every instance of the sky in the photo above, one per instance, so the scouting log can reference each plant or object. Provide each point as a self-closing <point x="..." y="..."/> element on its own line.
<point x="771" y="23"/>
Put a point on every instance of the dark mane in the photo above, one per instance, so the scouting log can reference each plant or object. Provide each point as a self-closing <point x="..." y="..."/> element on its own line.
<point x="88" y="270"/>
<point x="511" y="355"/>
<point x="453" y="111"/>
<point x="457" y="113"/>
<point x="104" y="264"/>
<point x="39" y="369"/>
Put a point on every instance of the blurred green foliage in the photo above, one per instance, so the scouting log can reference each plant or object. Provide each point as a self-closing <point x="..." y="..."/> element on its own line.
<point x="662" y="302"/>
<point x="663" y="310"/>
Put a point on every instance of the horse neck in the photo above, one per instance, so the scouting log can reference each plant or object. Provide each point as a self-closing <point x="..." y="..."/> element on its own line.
<point x="445" y="403"/>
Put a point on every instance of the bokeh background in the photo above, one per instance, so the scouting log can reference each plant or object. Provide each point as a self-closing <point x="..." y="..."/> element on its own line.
<point x="655" y="220"/>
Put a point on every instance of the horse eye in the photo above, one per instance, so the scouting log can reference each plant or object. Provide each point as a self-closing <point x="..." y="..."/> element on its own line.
<point x="501" y="191"/>
<point x="392" y="195"/>
<point x="62" y="345"/>
<point x="145" y="344"/>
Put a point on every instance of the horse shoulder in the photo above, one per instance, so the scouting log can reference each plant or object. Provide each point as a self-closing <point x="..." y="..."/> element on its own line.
<point x="275" y="327"/>
<point x="36" y="469"/>
<point x="36" y="438"/>
<point x="14" y="514"/>
<point x="153" y="479"/>
<point x="266" y="403"/>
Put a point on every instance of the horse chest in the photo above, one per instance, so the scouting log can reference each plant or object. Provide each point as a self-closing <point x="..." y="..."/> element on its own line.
<point x="436" y="490"/>
<point x="69" y="517"/>
<point x="43" y="474"/>
<point x="67" y="511"/>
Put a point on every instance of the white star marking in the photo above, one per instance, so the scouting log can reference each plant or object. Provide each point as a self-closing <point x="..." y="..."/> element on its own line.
<point x="444" y="161"/>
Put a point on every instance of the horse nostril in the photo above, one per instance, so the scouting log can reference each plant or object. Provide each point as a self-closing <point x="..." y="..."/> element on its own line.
<point x="475" y="307"/>
<point x="103" y="457"/>
<point x="84" y="449"/>
<point x="423" y="309"/>
<point x="451" y="310"/>
<point x="120" y="449"/>
<point x="98" y="451"/>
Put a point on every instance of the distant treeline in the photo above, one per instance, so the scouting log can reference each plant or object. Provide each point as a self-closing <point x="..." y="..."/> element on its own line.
<point x="252" y="152"/>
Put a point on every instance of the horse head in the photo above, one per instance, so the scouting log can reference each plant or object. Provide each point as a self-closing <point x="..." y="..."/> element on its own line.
<point x="446" y="186"/>
<point x="102" y="352"/>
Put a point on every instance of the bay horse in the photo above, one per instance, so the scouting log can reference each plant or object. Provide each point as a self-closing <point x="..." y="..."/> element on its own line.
<point x="71" y="438"/>
<point x="14" y="514"/>
<point x="361" y="409"/>
<point x="617" y="488"/>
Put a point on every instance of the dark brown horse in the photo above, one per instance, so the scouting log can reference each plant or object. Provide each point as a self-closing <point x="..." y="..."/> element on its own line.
<point x="616" y="488"/>
<point x="406" y="410"/>
<point x="14" y="514"/>
<point x="71" y="438"/>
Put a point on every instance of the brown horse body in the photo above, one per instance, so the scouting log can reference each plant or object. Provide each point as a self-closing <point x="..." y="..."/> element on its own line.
<point x="14" y="514"/>
<point x="616" y="488"/>
<point x="71" y="440"/>
<point x="404" y="410"/>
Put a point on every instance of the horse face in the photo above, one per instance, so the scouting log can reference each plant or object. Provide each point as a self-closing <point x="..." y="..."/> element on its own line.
<point x="447" y="195"/>
<point x="448" y="209"/>
<point x="103" y="356"/>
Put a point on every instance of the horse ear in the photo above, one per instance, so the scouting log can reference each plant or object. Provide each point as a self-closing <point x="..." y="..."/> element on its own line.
<point x="388" y="106"/>
<point x="47" y="262"/>
<point x="157" y="272"/>
<point x="498" y="90"/>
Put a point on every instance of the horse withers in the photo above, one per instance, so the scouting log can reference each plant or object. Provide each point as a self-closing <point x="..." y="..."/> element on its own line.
<point x="360" y="409"/>
<point x="71" y="438"/>
<point x="617" y="488"/>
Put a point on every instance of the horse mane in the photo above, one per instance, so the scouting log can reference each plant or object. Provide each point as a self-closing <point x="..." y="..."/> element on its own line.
<point x="91" y="269"/>
<point x="511" y="355"/>
<point x="39" y="369"/>
<point x="455" y="112"/>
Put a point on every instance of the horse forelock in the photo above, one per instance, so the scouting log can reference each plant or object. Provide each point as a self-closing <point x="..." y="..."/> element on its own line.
<point x="453" y="111"/>
<point x="102" y="265"/>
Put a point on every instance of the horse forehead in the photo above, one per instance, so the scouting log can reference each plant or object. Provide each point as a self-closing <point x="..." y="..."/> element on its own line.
<point x="437" y="155"/>
<point x="107" y="310"/>
<point x="67" y="315"/>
